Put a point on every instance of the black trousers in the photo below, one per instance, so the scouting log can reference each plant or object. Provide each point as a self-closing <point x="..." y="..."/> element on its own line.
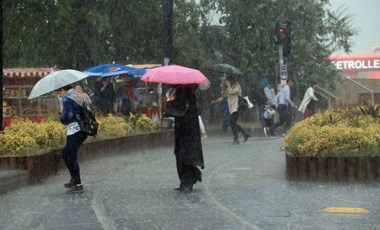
<point x="285" y="115"/>
<point x="70" y="154"/>
<point x="235" y="127"/>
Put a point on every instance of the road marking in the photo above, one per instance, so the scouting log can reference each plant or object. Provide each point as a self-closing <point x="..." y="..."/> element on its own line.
<point x="346" y="210"/>
<point x="240" y="169"/>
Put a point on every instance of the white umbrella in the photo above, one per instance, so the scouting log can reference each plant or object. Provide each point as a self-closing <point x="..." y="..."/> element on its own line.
<point x="56" y="80"/>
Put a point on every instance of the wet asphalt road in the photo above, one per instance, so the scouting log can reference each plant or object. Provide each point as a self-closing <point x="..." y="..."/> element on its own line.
<point x="244" y="187"/>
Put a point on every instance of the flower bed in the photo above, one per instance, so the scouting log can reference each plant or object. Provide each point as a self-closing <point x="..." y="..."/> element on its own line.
<point x="27" y="138"/>
<point x="37" y="147"/>
<point x="49" y="162"/>
<point x="337" y="145"/>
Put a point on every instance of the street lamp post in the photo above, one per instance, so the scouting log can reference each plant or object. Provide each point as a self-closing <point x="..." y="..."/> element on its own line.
<point x="167" y="22"/>
<point x="167" y="30"/>
<point x="1" y="66"/>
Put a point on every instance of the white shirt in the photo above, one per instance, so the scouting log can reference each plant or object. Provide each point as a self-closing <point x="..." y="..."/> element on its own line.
<point x="284" y="97"/>
<point x="309" y="95"/>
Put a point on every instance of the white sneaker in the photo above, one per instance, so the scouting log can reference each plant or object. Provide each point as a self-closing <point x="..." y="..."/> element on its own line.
<point x="204" y="135"/>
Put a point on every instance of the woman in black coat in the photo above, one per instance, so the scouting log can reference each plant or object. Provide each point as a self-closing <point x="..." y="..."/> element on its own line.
<point x="188" y="145"/>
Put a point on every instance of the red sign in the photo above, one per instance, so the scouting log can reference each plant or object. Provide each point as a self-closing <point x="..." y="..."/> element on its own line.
<point x="354" y="64"/>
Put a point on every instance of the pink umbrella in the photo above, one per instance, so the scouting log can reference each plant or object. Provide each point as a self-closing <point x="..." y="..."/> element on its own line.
<point x="174" y="75"/>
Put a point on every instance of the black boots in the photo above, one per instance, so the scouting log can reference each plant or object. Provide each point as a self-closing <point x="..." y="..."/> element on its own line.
<point x="236" y="139"/>
<point x="246" y="136"/>
<point x="69" y="184"/>
<point x="73" y="187"/>
<point x="78" y="188"/>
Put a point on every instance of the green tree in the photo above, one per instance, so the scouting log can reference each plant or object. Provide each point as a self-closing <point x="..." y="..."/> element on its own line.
<point x="316" y="33"/>
<point x="82" y="33"/>
<point x="188" y="47"/>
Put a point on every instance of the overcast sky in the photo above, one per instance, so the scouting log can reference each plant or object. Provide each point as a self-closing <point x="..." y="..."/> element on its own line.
<point x="366" y="14"/>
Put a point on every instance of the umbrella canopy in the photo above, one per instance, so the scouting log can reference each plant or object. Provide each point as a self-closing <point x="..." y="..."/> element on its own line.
<point x="174" y="75"/>
<point x="225" y="68"/>
<point x="56" y="80"/>
<point x="107" y="70"/>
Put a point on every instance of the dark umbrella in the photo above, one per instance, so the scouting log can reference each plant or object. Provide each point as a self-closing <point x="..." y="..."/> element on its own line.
<point x="225" y="68"/>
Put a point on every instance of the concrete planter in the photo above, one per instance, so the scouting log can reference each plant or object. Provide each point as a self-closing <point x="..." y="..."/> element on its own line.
<point x="344" y="169"/>
<point x="41" y="165"/>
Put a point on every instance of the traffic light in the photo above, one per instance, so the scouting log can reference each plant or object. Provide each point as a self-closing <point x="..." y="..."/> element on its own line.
<point x="282" y="31"/>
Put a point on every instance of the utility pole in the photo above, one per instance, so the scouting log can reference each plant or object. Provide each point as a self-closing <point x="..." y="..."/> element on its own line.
<point x="167" y="30"/>
<point x="1" y="65"/>
<point x="167" y="22"/>
<point x="283" y="41"/>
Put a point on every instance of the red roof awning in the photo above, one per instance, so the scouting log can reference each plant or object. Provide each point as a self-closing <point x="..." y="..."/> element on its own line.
<point x="27" y="72"/>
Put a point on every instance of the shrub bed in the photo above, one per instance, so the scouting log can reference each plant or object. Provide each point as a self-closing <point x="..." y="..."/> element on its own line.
<point x="344" y="132"/>
<point x="337" y="145"/>
<point x="26" y="138"/>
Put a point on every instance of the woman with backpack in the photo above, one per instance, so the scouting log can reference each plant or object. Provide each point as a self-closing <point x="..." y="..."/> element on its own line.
<point x="71" y="117"/>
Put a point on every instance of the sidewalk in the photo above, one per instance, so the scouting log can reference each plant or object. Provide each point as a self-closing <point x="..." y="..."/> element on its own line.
<point x="244" y="187"/>
<point x="14" y="179"/>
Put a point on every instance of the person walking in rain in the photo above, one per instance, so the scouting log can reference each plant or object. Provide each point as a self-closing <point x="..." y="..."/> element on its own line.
<point x="234" y="91"/>
<point x="188" y="146"/>
<point x="223" y="106"/>
<point x="284" y="107"/>
<point x="269" y="105"/>
<point x="259" y="98"/>
<point x="71" y="115"/>
<point x="307" y="106"/>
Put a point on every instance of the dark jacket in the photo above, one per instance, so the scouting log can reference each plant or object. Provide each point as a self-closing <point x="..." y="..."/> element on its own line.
<point x="258" y="97"/>
<point x="106" y="98"/>
<point x="71" y="111"/>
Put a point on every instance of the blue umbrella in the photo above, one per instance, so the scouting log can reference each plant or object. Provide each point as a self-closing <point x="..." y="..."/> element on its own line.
<point x="107" y="70"/>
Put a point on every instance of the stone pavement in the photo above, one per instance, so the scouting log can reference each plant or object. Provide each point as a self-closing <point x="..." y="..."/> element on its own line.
<point x="244" y="187"/>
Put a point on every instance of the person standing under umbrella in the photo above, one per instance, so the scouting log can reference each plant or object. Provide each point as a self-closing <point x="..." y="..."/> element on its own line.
<point x="188" y="146"/>
<point x="105" y="96"/>
<point x="71" y="115"/>
<point x="234" y="91"/>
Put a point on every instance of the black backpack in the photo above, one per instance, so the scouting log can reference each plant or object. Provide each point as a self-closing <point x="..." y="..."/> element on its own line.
<point x="88" y="123"/>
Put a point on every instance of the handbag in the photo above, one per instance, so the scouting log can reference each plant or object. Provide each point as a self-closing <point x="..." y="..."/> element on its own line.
<point x="242" y="104"/>
<point x="173" y="109"/>
<point x="249" y="103"/>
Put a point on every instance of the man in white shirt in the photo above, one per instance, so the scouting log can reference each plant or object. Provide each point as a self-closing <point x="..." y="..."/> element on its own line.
<point x="284" y="107"/>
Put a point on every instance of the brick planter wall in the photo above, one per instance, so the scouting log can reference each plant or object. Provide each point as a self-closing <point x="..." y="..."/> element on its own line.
<point x="48" y="163"/>
<point x="344" y="169"/>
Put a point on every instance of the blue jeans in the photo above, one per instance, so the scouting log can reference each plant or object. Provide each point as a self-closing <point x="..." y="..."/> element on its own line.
<point x="261" y="115"/>
<point x="70" y="154"/>
<point x="226" y="120"/>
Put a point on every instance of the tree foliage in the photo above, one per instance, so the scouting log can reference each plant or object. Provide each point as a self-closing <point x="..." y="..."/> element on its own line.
<point x="250" y="37"/>
<point x="82" y="33"/>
